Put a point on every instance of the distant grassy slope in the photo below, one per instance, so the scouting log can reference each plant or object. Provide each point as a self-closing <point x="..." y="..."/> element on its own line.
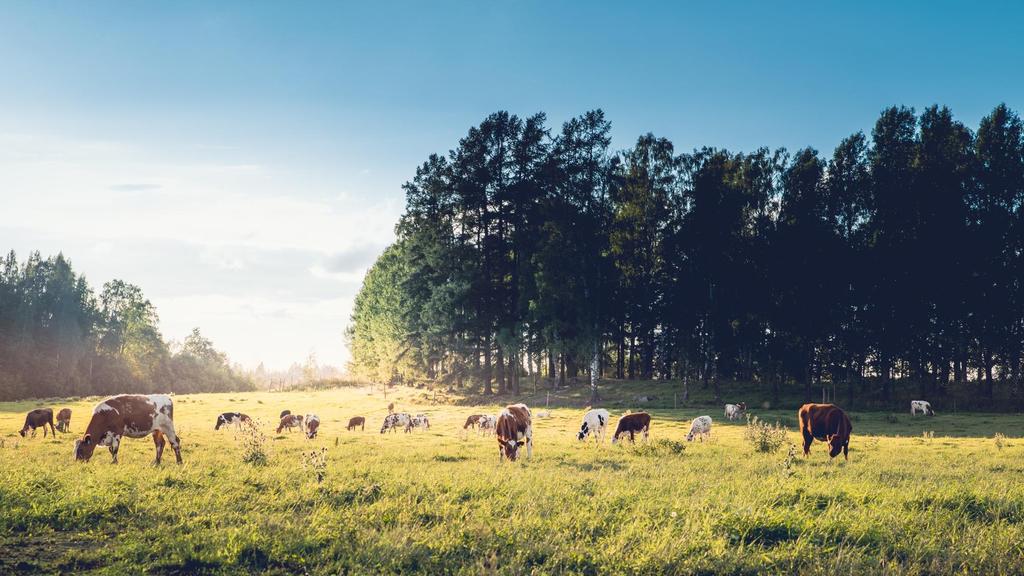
<point x="438" y="502"/>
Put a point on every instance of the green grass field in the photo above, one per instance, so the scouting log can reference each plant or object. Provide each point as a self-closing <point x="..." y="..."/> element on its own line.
<point x="439" y="502"/>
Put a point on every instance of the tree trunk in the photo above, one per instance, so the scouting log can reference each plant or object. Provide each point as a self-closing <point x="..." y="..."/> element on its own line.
<point x="620" y="360"/>
<point x="487" y="366"/>
<point x="499" y="360"/>
<point x="594" y="366"/>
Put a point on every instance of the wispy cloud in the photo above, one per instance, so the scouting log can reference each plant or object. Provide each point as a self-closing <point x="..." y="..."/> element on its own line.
<point x="134" y="187"/>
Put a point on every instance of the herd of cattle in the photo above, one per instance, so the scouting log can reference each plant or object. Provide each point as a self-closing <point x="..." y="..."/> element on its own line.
<point x="138" y="416"/>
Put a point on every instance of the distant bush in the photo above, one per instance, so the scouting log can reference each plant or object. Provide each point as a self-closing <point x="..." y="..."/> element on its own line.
<point x="764" y="437"/>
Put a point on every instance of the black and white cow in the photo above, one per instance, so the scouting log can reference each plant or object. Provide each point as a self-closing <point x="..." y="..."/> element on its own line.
<point x="594" y="422"/>
<point x="419" y="421"/>
<point x="396" y="420"/>
<point x="236" y="418"/>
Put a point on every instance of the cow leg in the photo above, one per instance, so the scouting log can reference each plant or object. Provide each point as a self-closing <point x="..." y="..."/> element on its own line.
<point x="115" y="443"/>
<point x="647" y="429"/>
<point x="159" y="442"/>
<point x="529" y="442"/>
<point x="168" y="431"/>
<point x="53" y="432"/>
<point x="808" y="438"/>
<point x="846" y="452"/>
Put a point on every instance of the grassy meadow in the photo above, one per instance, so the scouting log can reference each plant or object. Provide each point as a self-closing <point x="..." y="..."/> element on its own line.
<point x="918" y="496"/>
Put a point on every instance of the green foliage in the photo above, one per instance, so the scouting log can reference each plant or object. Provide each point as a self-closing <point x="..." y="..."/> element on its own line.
<point x="764" y="437"/>
<point x="885" y="271"/>
<point x="57" y="338"/>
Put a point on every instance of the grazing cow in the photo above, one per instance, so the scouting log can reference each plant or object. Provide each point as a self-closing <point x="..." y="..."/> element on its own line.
<point x="922" y="406"/>
<point x="488" y="424"/>
<point x="64" y="420"/>
<point x="285" y="413"/>
<point x="134" y="416"/>
<point x="594" y="422"/>
<point x="701" y="426"/>
<point x="514" y="428"/>
<point x="356" y="421"/>
<point x="395" y="421"/>
<point x="311" y="425"/>
<point x="734" y="411"/>
<point x="35" y="419"/>
<point x="419" y="421"/>
<point x="236" y="418"/>
<point x="290" y="421"/>
<point x="472" y="421"/>
<point x="825" y="423"/>
<point x="632" y="424"/>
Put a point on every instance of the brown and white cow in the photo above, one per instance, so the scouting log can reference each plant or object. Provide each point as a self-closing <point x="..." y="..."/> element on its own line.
<point x="64" y="420"/>
<point x="472" y="421"/>
<point x="514" y="428"/>
<point x="637" y="422"/>
<point x="356" y="421"/>
<point x="311" y="424"/>
<point x="290" y="421"/>
<point x="826" y="423"/>
<point x="134" y="416"/>
<point x="35" y="419"/>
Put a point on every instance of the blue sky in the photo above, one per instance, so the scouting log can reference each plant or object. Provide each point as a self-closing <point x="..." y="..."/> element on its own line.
<point x="242" y="162"/>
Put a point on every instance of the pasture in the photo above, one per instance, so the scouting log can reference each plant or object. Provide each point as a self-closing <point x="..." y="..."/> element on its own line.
<point x="918" y="496"/>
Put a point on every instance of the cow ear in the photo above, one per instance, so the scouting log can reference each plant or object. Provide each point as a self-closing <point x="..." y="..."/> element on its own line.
<point x="87" y="440"/>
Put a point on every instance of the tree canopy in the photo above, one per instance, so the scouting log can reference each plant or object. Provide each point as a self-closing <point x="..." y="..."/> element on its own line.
<point x="895" y="266"/>
<point x="57" y="338"/>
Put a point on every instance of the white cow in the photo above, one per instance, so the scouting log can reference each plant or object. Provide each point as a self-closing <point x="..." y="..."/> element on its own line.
<point x="418" y="421"/>
<point x="922" y="406"/>
<point x="701" y="426"/>
<point x="734" y="411"/>
<point x="594" y="422"/>
<point x="487" y="424"/>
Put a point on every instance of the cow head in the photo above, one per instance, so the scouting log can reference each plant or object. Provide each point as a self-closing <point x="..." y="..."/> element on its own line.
<point x="84" y="448"/>
<point x="509" y="448"/>
<point x="583" y="431"/>
<point x="836" y="445"/>
<point x="220" y="422"/>
<point x="23" y="431"/>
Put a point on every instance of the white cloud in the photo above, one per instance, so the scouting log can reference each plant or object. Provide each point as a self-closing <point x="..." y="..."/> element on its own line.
<point x="232" y="246"/>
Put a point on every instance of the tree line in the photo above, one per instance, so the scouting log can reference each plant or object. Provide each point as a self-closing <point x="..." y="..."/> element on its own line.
<point x="892" y="267"/>
<point x="59" y="338"/>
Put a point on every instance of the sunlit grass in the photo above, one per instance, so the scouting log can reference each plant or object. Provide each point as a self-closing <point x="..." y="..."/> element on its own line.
<point x="438" y="501"/>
